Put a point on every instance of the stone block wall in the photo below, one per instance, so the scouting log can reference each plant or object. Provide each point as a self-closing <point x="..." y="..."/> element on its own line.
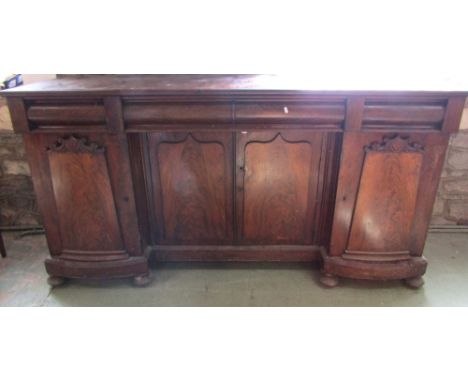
<point x="18" y="206"/>
<point x="451" y="206"/>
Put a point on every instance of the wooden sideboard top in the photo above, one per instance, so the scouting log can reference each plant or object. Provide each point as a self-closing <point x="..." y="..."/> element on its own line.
<point x="134" y="85"/>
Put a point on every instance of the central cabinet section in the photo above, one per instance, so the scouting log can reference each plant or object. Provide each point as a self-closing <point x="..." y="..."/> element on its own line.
<point x="256" y="189"/>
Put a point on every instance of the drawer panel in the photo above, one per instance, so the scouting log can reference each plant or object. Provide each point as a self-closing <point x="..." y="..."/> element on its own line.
<point x="66" y="114"/>
<point x="316" y="113"/>
<point x="380" y="115"/>
<point x="52" y="115"/>
<point x="147" y="113"/>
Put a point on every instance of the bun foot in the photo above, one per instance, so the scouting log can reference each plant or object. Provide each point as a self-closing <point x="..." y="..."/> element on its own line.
<point x="142" y="280"/>
<point x="55" y="281"/>
<point x="328" y="280"/>
<point x="415" y="282"/>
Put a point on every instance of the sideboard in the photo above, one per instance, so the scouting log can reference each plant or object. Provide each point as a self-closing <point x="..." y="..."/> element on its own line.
<point x="136" y="169"/>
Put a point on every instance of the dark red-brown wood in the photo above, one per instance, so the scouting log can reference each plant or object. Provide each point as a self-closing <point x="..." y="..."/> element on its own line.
<point x="86" y="198"/>
<point x="233" y="168"/>
<point x="192" y="186"/>
<point x="277" y="182"/>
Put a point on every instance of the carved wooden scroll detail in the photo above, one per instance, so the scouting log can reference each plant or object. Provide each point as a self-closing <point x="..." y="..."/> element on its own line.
<point x="395" y="143"/>
<point x="74" y="144"/>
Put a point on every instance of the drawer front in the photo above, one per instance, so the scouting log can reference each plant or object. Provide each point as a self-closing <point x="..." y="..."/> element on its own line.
<point x="383" y="115"/>
<point x="68" y="115"/>
<point x="278" y="112"/>
<point x="154" y="113"/>
<point x="57" y="115"/>
<point x="148" y="113"/>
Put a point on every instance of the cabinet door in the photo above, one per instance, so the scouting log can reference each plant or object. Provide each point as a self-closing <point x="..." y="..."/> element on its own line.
<point x="277" y="182"/>
<point x="85" y="195"/>
<point x="192" y="176"/>
<point x="387" y="185"/>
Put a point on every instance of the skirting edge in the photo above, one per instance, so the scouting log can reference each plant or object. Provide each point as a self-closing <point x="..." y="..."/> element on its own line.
<point x="365" y="270"/>
<point x="130" y="267"/>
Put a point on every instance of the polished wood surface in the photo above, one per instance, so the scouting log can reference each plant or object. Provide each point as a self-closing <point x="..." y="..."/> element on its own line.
<point x="193" y="180"/>
<point x="388" y="187"/>
<point x="85" y="196"/>
<point x="277" y="186"/>
<point x="290" y="112"/>
<point x="237" y="253"/>
<point x="150" y="112"/>
<point x="233" y="168"/>
<point x="46" y="115"/>
<point x="87" y="216"/>
<point x="379" y="115"/>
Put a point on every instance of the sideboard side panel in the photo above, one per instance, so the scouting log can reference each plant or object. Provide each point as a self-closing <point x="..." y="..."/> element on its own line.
<point x="352" y="156"/>
<point x="85" y="195"/>
<point x="35" y="146"/>
<point x="18" y="115"/>
<point x="141" y="178"/>
<point x="118" y="160"/>
<point x="386" y="189"/>
<point x="431" y="170"/>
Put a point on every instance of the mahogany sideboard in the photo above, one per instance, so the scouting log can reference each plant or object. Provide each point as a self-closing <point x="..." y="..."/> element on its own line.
<point x="232" y="168"/>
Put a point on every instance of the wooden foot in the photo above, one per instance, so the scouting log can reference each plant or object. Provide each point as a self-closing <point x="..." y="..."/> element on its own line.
<point x="415" y="282"/>
<point x="328" y="280"/>
<point x="142" y="280"/>
<point x="55" y="281"/>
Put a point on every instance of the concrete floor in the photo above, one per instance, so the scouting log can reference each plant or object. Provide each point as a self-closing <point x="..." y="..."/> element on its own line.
<point x="23" y="282"/>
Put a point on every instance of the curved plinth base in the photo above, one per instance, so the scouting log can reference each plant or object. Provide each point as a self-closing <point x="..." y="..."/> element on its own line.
<point x="409" y="270"/>
<point x="131" y="267"/>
